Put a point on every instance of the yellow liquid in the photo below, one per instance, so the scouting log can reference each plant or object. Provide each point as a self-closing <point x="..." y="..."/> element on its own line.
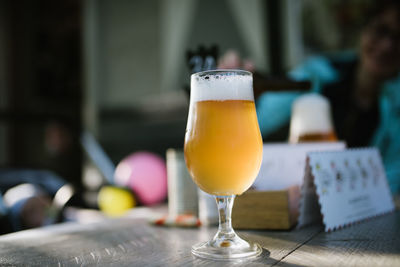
<point x="317" y="137"/>
<point x="223" y="146"/>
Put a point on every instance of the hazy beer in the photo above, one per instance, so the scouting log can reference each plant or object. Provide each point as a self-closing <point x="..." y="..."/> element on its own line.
<point x="223" y="152"/>
<point x="223" y="145"/>
<point x="316" y="137"/>
<point x="311" y="120"/>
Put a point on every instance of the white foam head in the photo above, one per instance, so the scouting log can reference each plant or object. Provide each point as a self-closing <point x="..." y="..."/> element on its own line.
<point x="311" y="113"/>
<point x="221" y="85"/>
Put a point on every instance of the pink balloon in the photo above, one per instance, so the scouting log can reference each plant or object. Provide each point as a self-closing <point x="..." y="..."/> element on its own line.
<point x="146" y="174"/>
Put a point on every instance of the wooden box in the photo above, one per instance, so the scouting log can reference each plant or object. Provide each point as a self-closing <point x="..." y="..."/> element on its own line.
<point x="266" y="209"/>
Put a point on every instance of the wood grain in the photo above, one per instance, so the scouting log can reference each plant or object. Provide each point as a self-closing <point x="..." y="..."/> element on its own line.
<point x="263" y="210"/>
<point x="135" y="242"/>
<point x="131" y="242"/>
<point x="375" y="242"/>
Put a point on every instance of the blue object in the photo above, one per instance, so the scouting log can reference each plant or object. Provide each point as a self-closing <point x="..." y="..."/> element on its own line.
<point x="98" y="156"/>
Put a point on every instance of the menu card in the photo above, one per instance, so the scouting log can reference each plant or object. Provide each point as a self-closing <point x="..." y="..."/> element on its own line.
<point x="344" y="187"/>
<point x="283" y="164"/>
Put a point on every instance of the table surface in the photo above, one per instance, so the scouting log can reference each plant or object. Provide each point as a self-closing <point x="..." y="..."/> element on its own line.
<point x="133" y="241"/>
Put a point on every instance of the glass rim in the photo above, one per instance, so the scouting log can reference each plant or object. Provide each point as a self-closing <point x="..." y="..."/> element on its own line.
<point x="222" y="71"/>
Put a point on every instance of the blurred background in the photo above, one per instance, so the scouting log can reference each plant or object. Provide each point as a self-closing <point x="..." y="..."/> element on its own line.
<point x="118" y="69"/>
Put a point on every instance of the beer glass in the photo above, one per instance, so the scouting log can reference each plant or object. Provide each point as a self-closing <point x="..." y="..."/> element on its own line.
<point x="311" y="120"/>
<point x="223" y="151"/>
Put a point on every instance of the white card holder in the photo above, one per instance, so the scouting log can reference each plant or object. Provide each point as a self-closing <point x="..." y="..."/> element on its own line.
<point x="344" y="187"/>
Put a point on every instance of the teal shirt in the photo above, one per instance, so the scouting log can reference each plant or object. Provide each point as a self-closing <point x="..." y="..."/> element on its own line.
<point x="274" y="109"/>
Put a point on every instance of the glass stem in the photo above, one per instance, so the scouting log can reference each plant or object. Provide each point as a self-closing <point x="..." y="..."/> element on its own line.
<point x="225" y="230"/>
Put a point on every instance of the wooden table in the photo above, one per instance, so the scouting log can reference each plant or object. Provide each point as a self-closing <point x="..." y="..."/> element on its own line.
<point x="132" y="241"/>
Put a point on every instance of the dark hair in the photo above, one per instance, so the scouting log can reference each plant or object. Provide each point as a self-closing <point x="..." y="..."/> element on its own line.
<point x="377" y="7"/>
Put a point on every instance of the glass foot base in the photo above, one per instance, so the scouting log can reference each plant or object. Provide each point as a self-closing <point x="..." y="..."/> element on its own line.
<point x="227" y="249"/>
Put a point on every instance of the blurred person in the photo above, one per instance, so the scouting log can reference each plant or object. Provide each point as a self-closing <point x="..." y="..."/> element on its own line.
<point x="363" y="88"/>
<point x="231" y="60"/>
